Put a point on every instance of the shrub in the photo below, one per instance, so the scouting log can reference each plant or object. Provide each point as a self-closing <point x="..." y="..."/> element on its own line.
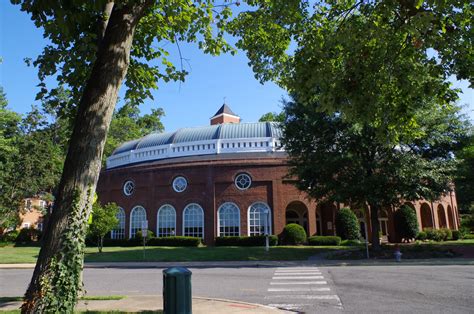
<point x="351" y="242"/>
<point x="28" y="235"/>
<point x="469" y="236"/>
<point x="9" y="236"/>
<point x="435" y="235"/>
<point x="457" y="235"/>
<point x="139" y="238"/>
<point x="293" y="234"/>
<point x="347" y="225"/>
<point x="324" y="240"/>
<point x="175" y="241"/>
<point x="406" y="222"/>
<point x="447" y="234"/>
<point x="422" y="236"/>
<point x="246" y="241"/>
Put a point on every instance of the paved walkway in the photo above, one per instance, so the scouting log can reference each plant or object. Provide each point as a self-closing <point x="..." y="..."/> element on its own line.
<point x="153" y="303"/>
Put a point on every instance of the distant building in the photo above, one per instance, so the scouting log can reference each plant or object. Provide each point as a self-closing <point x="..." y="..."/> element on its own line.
<point x="32" y="213"/>
<point x="227" y="179"/>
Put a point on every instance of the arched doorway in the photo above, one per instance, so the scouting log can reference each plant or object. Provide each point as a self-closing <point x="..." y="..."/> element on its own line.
<point x="451" y="218"/>
<point x="319" y="224"/>
<point x="441" y="217"/>
<point x="326" y="212"/>
<point x="297" y="213"/>
<point x="383" y="224"/>
<point x="426" y="217"/>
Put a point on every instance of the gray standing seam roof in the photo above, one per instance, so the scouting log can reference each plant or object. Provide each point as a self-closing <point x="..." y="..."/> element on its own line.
<point x="212" y="132"/>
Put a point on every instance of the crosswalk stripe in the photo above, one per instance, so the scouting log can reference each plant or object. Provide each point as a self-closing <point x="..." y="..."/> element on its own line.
<point x="297" y="289"/>
<point x="321" y="282"/>
<point x="288" y="306"/>
<point x="307" y="297"/>
<point x="296" y="269"/>
<point x="301" y="274"/>
<point x="297" y="277"/>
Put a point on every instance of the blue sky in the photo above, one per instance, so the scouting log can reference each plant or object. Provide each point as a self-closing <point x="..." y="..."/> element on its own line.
<point x="190" y="103"/>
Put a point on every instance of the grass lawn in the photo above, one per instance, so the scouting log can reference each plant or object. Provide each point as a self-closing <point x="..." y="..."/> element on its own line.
<point x="14" y="255"/>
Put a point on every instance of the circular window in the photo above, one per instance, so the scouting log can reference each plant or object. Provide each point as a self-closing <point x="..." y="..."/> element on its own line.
<point x="128" y="188"/>
<point x="180" y="184"/>
<point x="243" y="181"/>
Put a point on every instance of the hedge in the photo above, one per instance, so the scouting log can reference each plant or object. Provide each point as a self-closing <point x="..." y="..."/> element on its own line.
<point x="246" y="241"/>
<point x="347" y="225"/>
<point x="406" y="222"/>
<point x="324" y="240"/>
<point x="174" y="241"/>
<point x="293" y="234"/>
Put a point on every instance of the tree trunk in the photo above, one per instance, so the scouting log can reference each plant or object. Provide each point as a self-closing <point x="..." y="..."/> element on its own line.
<point x="101" y="243"/>
<point x="374" y="221"/>
<point x="56" y="279"/>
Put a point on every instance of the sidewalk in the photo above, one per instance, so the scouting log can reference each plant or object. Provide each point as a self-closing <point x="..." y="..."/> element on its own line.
<point x="223" y="264"/>
<point x="153" y="303"/>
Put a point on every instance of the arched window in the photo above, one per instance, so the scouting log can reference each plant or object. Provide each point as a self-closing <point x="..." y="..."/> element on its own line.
<point x="166" y="221"/>
<point x="193" y="221"/>
<point x="229" y="220"/>
<point x="137" y="217"/>
<point x="383" y="222"/>
<point x="119" y="232"/>
<point x="259" y="217"/>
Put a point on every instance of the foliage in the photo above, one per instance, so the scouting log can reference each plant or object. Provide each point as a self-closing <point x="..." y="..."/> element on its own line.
<point x="138" y="238"/>
<point x="373" y="61"/>
<point x="422" y="236"/>
<point x="434" y="234"/>
<point x="28" y="235"/>
<point x="104" y="220"/>
<point x="175" y="241"/>
<point x="324" y="240"/>
<point x="447" y="234"/>
<point x="246" y="241"/>
<point x="273" y="117"/>
<point x="406" y="223"/>
<point x="9" y="236"/>
<point x="347" y="224"/>
<point x="464" y="179"/>
<point x="356" y="166"/>
<point x="469" y="237"/>
<point x="467" y="220"/>
<point x="351" y="243"/>
<point x="293" y="234"/>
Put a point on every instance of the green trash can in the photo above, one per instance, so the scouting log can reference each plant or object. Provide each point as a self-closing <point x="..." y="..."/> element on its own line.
<point x="177" y="298"/>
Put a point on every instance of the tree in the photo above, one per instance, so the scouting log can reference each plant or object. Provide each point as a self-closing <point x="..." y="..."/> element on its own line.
<point x="94" y="47"/>
<point x="104" y="220"/>
<point x="464" y="180"/>
<point x="371" y="61"/>
<point x="406" y="222"/>
<point x="347" y="162"/>
<point x="347" y="225"/>
<point x="272" y="117"/>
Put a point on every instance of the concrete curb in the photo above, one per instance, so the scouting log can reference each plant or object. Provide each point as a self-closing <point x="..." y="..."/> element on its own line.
<point x="318" y="262"/>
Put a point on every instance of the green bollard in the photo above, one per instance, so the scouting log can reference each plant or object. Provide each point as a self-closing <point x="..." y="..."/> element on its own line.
<point x="177" y="297"/>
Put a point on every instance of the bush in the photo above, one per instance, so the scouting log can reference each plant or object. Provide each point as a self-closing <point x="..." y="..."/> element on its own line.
<point x="246" y="241"/>
<point x="347" y="225"/>
<point x="435" y="235"/>
<point x="324" y="240"/>
<point x="422" y="236"/>
<point x="469" y="236"/>
<point x="457" y="235"/>
<point x="139" y="238"/>
<point x="293" y="234"/>
<point x="28" y="235"/>
<point x="406" y="222"/>
<point x="175" y="241"/>
<point x="447" y="234"/>
<point x="351" y="243"/>
<point x="9" y="236"/>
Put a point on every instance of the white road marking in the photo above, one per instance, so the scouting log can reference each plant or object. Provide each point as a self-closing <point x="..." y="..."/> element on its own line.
<point x="296" y="269"/>
<point x="322" y="282"/>
<point x="301" y="274"/>
<point x="288" y="306"/>
<point x="297" y="277"/>
<point x="306" y="297"/>
<point x="297" y="289"/>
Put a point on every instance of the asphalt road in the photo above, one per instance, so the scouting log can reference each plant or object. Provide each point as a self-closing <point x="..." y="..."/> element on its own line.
<point x="354" y="289"/>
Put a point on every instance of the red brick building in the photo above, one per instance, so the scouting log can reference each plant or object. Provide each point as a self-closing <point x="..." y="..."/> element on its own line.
<point x="225" y="179"/>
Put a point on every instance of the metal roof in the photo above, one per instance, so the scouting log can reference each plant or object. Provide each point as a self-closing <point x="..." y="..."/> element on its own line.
<point x="197" y="134"/>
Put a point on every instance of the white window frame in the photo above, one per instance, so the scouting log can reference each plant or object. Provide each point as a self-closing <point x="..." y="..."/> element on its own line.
<point x="119" y="233"/>
<point x="219" y="217"/>
<point x="184" y="218"/>
<point x="175" y="180"/>
<point x="163" y="207"/>
<point x="248" y="218"/>
<point x="243" y="174"/>
<point x="125" y="192"/>
<point x="130" y="236"/>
